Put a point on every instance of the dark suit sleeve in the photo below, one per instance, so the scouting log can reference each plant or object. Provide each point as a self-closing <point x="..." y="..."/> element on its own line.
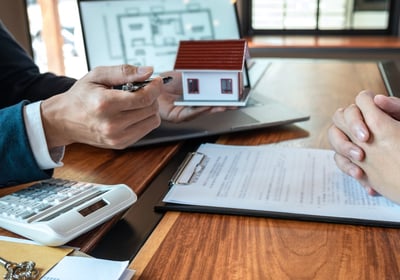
<point x="20" y="83"/>
<point x="20" y="78"/>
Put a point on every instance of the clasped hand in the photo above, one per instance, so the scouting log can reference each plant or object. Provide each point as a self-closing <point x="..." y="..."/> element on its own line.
<point x="365" y="137"/>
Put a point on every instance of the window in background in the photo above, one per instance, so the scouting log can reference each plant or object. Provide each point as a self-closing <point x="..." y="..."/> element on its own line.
<point x="320" y="16"/>
<point x="62" y="13"/>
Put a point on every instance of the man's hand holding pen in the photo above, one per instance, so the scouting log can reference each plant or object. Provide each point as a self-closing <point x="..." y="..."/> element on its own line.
<point x="94" y="113"/>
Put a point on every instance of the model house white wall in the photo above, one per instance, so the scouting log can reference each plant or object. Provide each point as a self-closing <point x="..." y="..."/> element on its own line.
<point x="211" y="85"/>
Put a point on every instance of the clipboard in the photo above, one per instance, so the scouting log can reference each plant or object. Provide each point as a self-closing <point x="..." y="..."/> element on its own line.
<point x="191" y="167"/>
<point x="195" y="163"/>
<point x="163" y="207"/>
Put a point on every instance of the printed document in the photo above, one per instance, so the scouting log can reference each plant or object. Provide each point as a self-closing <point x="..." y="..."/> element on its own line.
<point x="276" y="179"/>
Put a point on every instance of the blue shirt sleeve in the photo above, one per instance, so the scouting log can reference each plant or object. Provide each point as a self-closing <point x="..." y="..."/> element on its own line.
<point x="17" y="163"/>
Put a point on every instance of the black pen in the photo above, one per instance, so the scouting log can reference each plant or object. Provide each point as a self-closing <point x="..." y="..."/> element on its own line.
<point x="138" y="85"/>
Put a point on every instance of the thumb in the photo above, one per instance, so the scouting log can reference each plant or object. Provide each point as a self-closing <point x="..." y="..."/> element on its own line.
<point x="389" y="104"/>
<point x="373" y="115"/>
<point x="121" y="74"/>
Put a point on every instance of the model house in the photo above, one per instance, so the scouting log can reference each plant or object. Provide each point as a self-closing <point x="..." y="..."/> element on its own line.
<point x="211" y="70"/>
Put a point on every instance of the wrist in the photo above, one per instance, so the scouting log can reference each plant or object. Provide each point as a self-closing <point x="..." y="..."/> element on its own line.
<point x="52" y="115"/>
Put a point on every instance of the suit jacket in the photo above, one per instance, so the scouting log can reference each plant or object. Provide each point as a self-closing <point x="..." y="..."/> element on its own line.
<point x="21" y="83"/>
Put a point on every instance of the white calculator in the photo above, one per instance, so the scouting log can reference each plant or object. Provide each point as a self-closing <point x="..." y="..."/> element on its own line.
<point x="55" y="211"/>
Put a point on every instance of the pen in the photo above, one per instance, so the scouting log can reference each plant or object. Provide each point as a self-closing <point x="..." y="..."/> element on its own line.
<point x="138" y="85"/>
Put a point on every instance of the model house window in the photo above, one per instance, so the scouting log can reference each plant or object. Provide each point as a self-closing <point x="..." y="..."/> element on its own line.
<point x="193" y="85"/>
<point x="226" y="86"/>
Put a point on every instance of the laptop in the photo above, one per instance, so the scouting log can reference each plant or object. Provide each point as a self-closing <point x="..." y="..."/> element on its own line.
<point x="390" y="71"/>
<point x="141" y="32"/>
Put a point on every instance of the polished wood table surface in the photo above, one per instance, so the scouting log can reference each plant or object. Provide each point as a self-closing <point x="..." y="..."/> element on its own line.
<point x="211" y="246"/>
<point x="206" y="246"/>
<point x="134" y="167"/>
<point x="348" y="47"/>
<point x="317" y="42"/>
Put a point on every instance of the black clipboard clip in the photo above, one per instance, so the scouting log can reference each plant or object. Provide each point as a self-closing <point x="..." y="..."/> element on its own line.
<point x="189" y="169"/>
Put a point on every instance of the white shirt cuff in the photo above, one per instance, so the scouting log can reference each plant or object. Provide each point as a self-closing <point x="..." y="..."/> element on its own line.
<point x="33" y="122"/>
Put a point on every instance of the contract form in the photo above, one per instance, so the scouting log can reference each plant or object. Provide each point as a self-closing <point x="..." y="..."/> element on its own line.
<point x="294" y="182"/>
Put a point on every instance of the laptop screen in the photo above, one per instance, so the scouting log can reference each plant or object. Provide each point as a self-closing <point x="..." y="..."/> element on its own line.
<point x="142" y="32"/>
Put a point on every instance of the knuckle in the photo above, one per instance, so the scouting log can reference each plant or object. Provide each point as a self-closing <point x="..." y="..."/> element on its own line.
<point x="125" y="69"/>
<point x="96" y="70"/>
<point x="118" y="145"/>
<point x="352" y="106"/>
<point x="157" y="120"/>
<point x="338" y="112"/>
<point x="107" y="129"/>
<point x="155" y="108"/>
<point x="110" y="136"/>
<point x="100" y="105"/>
<point x="128" y="72"/>
<point x="146" y="100"/>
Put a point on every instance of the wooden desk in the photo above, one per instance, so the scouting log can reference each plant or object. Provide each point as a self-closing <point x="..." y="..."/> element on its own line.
<point x="134" y="167"/>
<point x="205" y="246"/>
<point x="200" y="246"/>
<point x="349" y="47"/>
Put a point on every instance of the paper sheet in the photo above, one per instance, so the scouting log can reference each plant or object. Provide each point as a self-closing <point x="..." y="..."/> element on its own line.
<point x="44" y="257"/>
<point x="83" y="268"/>
<point x="288" y="180"/>
<point x="69" y="264"/>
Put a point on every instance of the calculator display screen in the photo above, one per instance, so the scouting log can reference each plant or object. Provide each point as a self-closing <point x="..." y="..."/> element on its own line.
<point x="92" y="208"/>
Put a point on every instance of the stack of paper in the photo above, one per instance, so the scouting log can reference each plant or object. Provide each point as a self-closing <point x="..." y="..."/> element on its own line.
<point x="83" y="268"/>
<point x="59" y="263"/>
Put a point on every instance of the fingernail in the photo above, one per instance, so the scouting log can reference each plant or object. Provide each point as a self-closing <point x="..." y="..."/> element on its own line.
<point x="144" y="69"/>
<point x="361" y="135"/>
<point x="371" y="191"/>
<point x="355" y="154"/>
<point x="353" y="172"/>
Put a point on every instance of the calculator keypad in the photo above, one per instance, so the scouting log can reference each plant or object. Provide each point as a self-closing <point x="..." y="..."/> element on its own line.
<point x="42" y="196"/>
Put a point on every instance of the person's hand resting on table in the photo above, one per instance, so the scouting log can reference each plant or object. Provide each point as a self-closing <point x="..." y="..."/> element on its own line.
<point x="365" y="138"/>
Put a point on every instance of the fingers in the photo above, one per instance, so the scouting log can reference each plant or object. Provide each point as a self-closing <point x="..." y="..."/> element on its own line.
<point x="176" y="84"/>
<point x="353" y="170"/>
<point x="388" y="104"/>
<point x="351" y="122"/>
<point x="348" y="167"/>
<point x="91" y="112"/>
<point x="375" y="118"/>
<point x="117" y="75"/>
<point x="118" y="100"/>
<point x="349" y="133"/>
<point x="126" y="134"/>
<point x="123" y="119"/>
<point x="343" y="146"/>
<point x="142" y="98"/>
<point x="368" y="188"/>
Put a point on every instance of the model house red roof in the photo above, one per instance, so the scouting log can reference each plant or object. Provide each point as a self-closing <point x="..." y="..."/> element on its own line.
<point x="211" y="55"/>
